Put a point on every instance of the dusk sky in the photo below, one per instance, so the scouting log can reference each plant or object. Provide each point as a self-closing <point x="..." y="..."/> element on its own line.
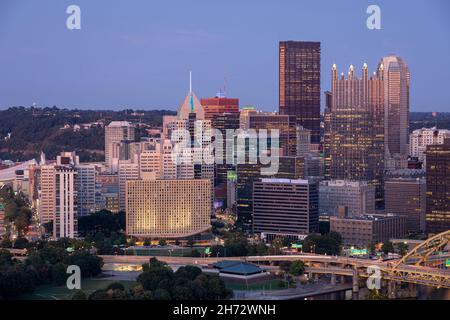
<point x="138" y="54"/>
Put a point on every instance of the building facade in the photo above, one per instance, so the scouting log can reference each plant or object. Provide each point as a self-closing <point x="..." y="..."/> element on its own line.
<point x="285" y="207"/>
<point x="116" y="132"/>
<point x="407" y="197"/>
<point x="438" y="187"/>
<point x="396" y="77"/>
<point x="299" y="84"/>
<point x="357" y="196"/>
<point x="421" y="138"/>
<point x="354" y="131"/>
<point x="168" y="208"/>
<point x="219" y="105"/>
<point x="364" y="230"/>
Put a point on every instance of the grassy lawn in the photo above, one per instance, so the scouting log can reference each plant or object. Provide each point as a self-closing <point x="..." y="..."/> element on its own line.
<point x="272" y="284"/>
<point x="49" y="292"/>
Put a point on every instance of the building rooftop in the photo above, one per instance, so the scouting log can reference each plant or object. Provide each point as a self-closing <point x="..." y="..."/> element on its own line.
<point x="291" y="181"/>
<point x="119" y="124"/>
<point x="237" y="267"/>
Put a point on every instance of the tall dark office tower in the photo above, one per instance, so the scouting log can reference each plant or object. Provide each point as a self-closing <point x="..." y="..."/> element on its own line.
<point x="224" y="122"/>
<point x="438" y="187"/>
<point x="299" y="87"/>
<point x="354" y="146"/>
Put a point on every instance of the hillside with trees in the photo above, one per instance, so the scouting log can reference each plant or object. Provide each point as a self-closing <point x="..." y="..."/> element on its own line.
<point x="26" y="132"/>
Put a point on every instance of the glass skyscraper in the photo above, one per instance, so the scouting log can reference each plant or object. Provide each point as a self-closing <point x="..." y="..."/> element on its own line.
<point x="299" y="86"/>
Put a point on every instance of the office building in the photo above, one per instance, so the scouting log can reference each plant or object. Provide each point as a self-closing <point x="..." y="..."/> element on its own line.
<point x="438" y="187"/>
<point x="421" y="138"/>
<point x="285" y="207"/>
<point x="116" y="132"/>
<point x="107" y="192"/>
<point x="168" y="208"/>
<point x="219" y="105"/>
<point x="354" y="149"/>
<point x="357" y="196"/>
<point x="246" y="174"/>
<point x="396" y="78"/>
<point x="364" y="230"/>
<point x="244" y="116"/>
<point x="127" y="171"/>
<point x="85" y="186"/>
<point x="407" y="197"/>
<point x="286" y="126"/>
<point x="299" y="84"/>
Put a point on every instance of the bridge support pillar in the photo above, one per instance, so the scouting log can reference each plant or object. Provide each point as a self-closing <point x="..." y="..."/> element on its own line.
<point x="333" y="279"/>
<point x="413" y="290"/>
<point x="342" y="279"/>
<point x="355" y="280"/>
<point x="391" y="290"/>
<point x="316" y="277"/>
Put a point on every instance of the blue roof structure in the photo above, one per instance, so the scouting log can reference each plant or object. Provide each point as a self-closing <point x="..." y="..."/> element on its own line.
<point x="238" y="267"/>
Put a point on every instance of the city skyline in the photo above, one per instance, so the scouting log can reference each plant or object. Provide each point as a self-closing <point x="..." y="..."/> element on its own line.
<point x="47" y="64"/>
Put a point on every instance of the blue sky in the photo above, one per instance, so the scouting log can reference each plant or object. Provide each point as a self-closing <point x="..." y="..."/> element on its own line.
<point x="138" y="53"/>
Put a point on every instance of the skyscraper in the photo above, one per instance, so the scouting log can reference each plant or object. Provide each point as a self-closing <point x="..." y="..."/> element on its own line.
<point x="396" y="111"/>
<point x="219" y="105"/>
<point x="299" y="84"/>
<point x="116" y="132"/>
<point x="354" y="126"/>
<point x="438" y="187"/>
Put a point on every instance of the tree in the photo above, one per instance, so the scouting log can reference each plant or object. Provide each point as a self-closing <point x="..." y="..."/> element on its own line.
<point x="372" y="247"/>
<point x="5" y="258"/>
<point x="23" y="220"/>
<point x="5" y="243"/>
<point x="387" y="247"/>
<point x="79" y="295"/>
<point x="115" y="286"/>
<point x="162" y="242"/>
<point x="16" y="280"/>
<point x="297" y="268"/>
<point x="147" y="242"/>
<point x="98" y="295"/>
<point x="21" y="243"/>
<point x="322" y="244"/>
<point x="285" y="265"/>
<point x="161" y="294"/>
<point x="58" y="274"/>
<point x="276" y="246"/>
<point x="402" y="248"/>
<point x="89" y="264"/>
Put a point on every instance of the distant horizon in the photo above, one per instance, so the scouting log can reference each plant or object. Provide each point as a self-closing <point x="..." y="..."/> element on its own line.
<point x="138" y="55"/>
<point x="154" y="109"/>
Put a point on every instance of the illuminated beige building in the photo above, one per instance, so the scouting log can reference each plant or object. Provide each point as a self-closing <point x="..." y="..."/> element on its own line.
<point x="168" y="208"/>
